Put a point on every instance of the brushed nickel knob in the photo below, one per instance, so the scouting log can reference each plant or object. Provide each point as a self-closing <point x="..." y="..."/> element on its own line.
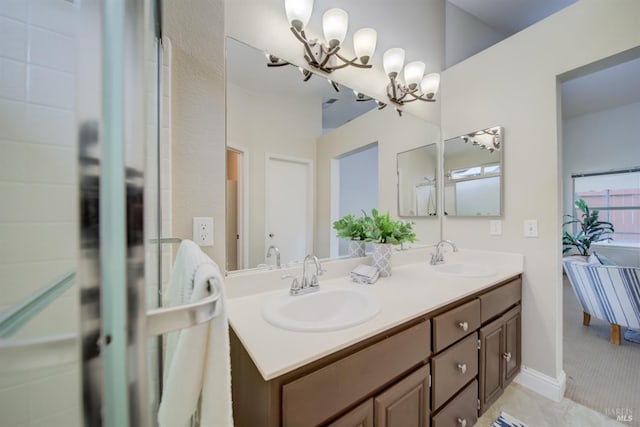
<point x="464" y="326"/>
<point x="462" y="422"/>
<point x="462" y="367"/>
<point x="507" y="356"/>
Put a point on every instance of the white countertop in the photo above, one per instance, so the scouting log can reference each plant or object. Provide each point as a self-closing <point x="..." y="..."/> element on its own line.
<point x="413" y="290"/>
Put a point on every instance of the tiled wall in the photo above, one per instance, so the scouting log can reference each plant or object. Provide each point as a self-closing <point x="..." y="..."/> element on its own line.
<point x="38" y="197"/>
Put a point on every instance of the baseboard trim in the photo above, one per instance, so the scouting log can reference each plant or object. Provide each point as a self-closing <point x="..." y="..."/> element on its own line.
<point x="551" y="388"/>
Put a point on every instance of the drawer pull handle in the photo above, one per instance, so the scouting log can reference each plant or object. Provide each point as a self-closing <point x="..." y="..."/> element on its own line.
<point x="462" y="367"/>
<point x="507" y="356"/>
<point x="462" y="422"/>
<point x="464" y="326"/>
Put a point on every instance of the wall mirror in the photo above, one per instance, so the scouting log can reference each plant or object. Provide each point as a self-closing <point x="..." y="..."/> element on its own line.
<point x="289" y="142"/>
<point x="473" y="173"/>
<point x="417" y="174"/>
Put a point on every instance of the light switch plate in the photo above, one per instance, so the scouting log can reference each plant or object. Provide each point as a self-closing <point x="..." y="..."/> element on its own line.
<point x="203" y="231"/>
<point x="530" y="228"/>
<point x="495" y="227"/>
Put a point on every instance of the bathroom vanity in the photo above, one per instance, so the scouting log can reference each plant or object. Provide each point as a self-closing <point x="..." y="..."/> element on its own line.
<point x="442" y="349"/>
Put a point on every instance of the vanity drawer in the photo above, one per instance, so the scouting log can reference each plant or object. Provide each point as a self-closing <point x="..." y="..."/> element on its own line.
<point x="457" y="323"/>
<point x="312" y="399"/>
<point x="454" y="368"/>
<point x="461" y="411"/>
<point x="499" y="300"/>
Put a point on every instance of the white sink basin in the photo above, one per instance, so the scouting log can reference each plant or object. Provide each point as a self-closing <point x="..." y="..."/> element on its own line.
<point x="324" y="310"/>
<point x="465" y="270"/>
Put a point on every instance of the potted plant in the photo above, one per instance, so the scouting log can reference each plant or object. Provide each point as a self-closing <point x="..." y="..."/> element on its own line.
<point x="384" y="232"/>
<point x="351" y="228"/>
<point x="590" y="230"/>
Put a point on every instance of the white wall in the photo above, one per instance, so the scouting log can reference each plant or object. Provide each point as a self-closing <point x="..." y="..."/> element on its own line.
<point x="263" y="25"/>
<point x="599" y="142"/>
<point x="198" y="153"/>
<point x="514" y="84"/>
<point x="394" y="134"/>
<point x="283" y="125"/>
<point x="466" y="35"/>
<point x="39" y="187"/>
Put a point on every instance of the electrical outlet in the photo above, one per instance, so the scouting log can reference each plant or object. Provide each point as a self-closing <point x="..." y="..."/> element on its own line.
<point x="203" y="231"/>
<point x="530" y="228"/>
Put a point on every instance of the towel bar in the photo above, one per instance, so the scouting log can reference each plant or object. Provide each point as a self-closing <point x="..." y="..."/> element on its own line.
<point x="163" y="320"/>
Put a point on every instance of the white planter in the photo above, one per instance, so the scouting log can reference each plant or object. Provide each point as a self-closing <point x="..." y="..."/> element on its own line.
<point x="356" y="248"/>
<point x="382" y="258"/>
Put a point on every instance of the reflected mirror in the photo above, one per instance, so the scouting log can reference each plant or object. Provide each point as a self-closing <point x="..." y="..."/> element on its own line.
<point x="290" y="144"/>
<point x="473" y="173"/>
<point x="417" y="172"/>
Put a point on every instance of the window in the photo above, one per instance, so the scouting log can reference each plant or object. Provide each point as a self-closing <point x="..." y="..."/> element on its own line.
<point x="475" y="172"/>
<point x="617" y="196"/>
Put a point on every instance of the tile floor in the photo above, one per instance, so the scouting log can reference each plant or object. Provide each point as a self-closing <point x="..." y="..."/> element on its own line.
<point x="537" y="411"/>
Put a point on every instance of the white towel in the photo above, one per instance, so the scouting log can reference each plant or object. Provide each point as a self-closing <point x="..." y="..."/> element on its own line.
<point x="197" y="363"/>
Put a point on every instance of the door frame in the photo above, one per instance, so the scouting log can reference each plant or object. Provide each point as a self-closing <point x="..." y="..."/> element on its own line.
<point x="243" y="204"/>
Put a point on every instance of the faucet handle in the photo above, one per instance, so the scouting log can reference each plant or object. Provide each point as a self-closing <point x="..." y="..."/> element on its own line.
<point x="295" y="284"/>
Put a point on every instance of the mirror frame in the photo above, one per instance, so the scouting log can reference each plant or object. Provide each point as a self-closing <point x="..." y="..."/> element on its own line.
<point x="499" y="148"/>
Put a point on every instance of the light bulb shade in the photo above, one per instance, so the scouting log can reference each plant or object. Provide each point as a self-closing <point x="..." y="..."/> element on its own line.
<point x="413" y="73"/>
<point x="334" y="24"/>
<point x="430" y="84"/>
<point x="298" y="12"/>
<point x="364" y="43"/>
<point x="393" y="60"/>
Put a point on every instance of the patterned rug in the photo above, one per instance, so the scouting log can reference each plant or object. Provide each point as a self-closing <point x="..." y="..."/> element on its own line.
<point x="506" y="420"/>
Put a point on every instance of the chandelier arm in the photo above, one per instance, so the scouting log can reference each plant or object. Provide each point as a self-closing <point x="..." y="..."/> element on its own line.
<point x="302" y="38"/>
<point x="348" y="62"/>
<point x="278" y="64"/>
<point x="327" y="54"/>
<point x="300" y="35"/>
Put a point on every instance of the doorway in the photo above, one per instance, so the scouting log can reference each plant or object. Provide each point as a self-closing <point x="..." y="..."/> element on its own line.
<point x="354" y="188"/>
<point x="235" y="207"/>
<point x="599" y="156"/>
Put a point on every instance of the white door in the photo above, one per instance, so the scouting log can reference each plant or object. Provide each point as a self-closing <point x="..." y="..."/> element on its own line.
<point x="288" y="207"/>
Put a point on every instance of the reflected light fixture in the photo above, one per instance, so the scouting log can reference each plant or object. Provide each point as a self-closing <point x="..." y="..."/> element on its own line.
<point x="487" y="139"/>
<point x="327" y="57"/>
<point x="416" y="86"/>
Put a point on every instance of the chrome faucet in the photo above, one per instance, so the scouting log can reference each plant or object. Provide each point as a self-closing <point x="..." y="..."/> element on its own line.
<point x="438" y="257"/>
<point x="313" y="281"/>
<point x="277" y="251"/>
<point x="306" y="284"/>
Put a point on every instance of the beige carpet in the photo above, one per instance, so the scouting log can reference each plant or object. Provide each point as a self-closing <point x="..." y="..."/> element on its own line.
<point x="600" y="375"/>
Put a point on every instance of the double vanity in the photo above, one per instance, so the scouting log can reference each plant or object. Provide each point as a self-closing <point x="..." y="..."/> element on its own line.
<point x="430" y="345"/>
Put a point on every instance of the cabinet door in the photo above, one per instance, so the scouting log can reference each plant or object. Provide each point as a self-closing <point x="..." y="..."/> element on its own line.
<point x="511" y="353"/>
<point x="491" y="363"/>
<point x="406" y="403"/>
<point x="360" y="416"/>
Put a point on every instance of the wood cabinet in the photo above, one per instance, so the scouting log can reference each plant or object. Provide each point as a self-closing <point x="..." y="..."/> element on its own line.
<point x="499" y="355"/>
<point x="393" y="379"/>
<point x="390" y="368"/>
<point x="405" y="404"/>
<point x="360" y="416"/>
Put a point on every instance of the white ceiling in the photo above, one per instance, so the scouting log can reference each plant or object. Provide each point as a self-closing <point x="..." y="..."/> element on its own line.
<point x="609" y="88"/>
<point x="511" y="16"/>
